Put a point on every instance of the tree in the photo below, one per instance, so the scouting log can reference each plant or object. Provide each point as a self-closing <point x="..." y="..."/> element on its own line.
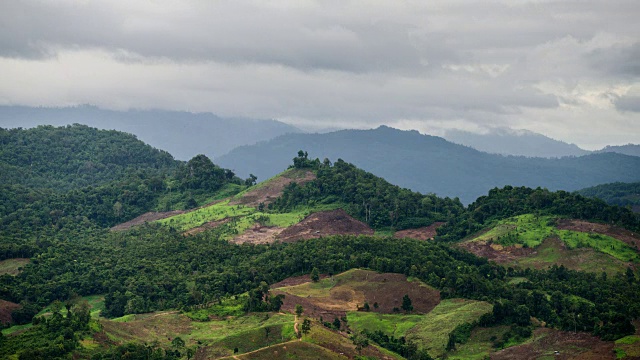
<point x="315" y="276"/>
<point x="336" y="323"/>
<point x="360" y="341"/>
<point x="366" y="306"/>
<point x="177" y="342"/>
<point x="306" y="326"/>
<point x="299" y="310"/>
<point x="406" y="303"/>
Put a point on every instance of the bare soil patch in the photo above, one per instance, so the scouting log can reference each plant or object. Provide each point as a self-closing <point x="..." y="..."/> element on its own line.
<point x="498" y="253"/>
<point x="145" y="218"/>
<point x="13" y="266"/>
<point x="272" y="189"/>
<point x="423" y="233"/>
<point x="296" y="280"/>
<point x="569" y="345"/>
<point x="630" y="238"/>
<point x="325" y="223"/>
<point x="258" y="235"/>
<point x="352" y="289"/>
<point x="207" y="226"/>
<point x="6" y="307"/>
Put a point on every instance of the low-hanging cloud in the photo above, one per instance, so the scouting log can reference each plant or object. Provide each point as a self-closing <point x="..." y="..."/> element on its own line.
<point x="539" y="65"/>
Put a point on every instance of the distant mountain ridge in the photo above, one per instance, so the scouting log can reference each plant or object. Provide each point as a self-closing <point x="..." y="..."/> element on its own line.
<point x="183" y="134"/>
<point x="629" y="149"/>
<point x="507" y="141"/>
<point x="431" y="164"/>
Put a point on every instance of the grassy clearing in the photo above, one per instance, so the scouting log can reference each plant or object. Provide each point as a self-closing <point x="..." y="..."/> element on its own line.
<point x="215" y="212"/>
<point x="227" y="307"/>
<point x="247" y="333"/>
<point x="321" y="336"/>
<point x="12" y="266"/>
<point x="628" y="346"/>
<point x="531" y="230"/>
<point x="16" y="328"/>
<point x="432" y="333"/>
<point x="517" y="280"/>
<point x="321" y="288"/>
<point x="390" y="324"/>
<point x="479" y="345"/>
<point x="553" y="251"/>
<point x="293" y="350"/>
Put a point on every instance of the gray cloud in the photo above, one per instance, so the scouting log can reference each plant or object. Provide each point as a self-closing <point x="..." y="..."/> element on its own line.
<point x="628" y="103"/>
<point x="540" y="65"/>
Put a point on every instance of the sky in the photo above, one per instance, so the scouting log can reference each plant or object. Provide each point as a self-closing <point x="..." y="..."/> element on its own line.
<point x="566" y="69"/>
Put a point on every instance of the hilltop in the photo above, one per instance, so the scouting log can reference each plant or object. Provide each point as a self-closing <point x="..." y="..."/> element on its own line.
<point x="431" y="164"/>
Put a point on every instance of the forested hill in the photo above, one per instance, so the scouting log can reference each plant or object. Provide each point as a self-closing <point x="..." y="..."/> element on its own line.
<point x="74" y="156"/>
<point x="430" y="164"/>
<point x="621" y="194"/>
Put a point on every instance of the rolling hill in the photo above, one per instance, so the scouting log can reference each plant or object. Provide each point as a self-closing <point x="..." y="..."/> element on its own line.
<point x="431" y="164"/>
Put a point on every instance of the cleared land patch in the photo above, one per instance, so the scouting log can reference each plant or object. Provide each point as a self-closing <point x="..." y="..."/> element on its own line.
<point x="6" y="307"/>
<point x="423" y="233"/>
<point x="535" y="241"/>
<point x="325" y="223"/>
<point x="349" y="291"/>
<point x="269" y="190"/>
<point x="569" y="345"/>
<point x="13" y="266"/>
<point x="432" y="333"/>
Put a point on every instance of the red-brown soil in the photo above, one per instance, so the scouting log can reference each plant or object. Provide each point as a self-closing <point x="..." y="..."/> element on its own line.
<point x="271" y="190"/>
<point x="145" y="218"/>
<point x="569" y="345"/>
<point x="497" y="253"/>
<point x="352" y="289"/>
<point x="6" y="307"/>
<point x="207" y="226"/>
<point x="296" y="280"/>
<point x="325" y="223"/>
<point x="630" y="238"/>
<point x="258" y="234"/>
<point x="423" y="233"/>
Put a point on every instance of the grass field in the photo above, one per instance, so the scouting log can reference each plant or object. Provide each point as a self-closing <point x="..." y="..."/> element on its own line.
<point x="390" y="324"/>
<point x="531" y="230"/>
<point x="432" y="333"/>
<point x="628" y="346"/>
<point x="479" y="344"/>
<point x="12" y="266"/>
<point x="326" y="338"/>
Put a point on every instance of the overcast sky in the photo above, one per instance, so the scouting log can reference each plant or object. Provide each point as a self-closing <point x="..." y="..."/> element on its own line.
<point x="567" y="69"/>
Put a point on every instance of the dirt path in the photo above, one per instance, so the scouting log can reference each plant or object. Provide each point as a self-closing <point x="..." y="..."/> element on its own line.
<point x="255" y="351"/>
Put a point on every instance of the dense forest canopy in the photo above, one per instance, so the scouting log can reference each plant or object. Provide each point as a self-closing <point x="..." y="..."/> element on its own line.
<point x="74" y="156"/>
<point x="621" y="194"/>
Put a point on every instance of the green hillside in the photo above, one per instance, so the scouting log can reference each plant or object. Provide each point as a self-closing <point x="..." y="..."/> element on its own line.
<point x="159" y="289"/>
